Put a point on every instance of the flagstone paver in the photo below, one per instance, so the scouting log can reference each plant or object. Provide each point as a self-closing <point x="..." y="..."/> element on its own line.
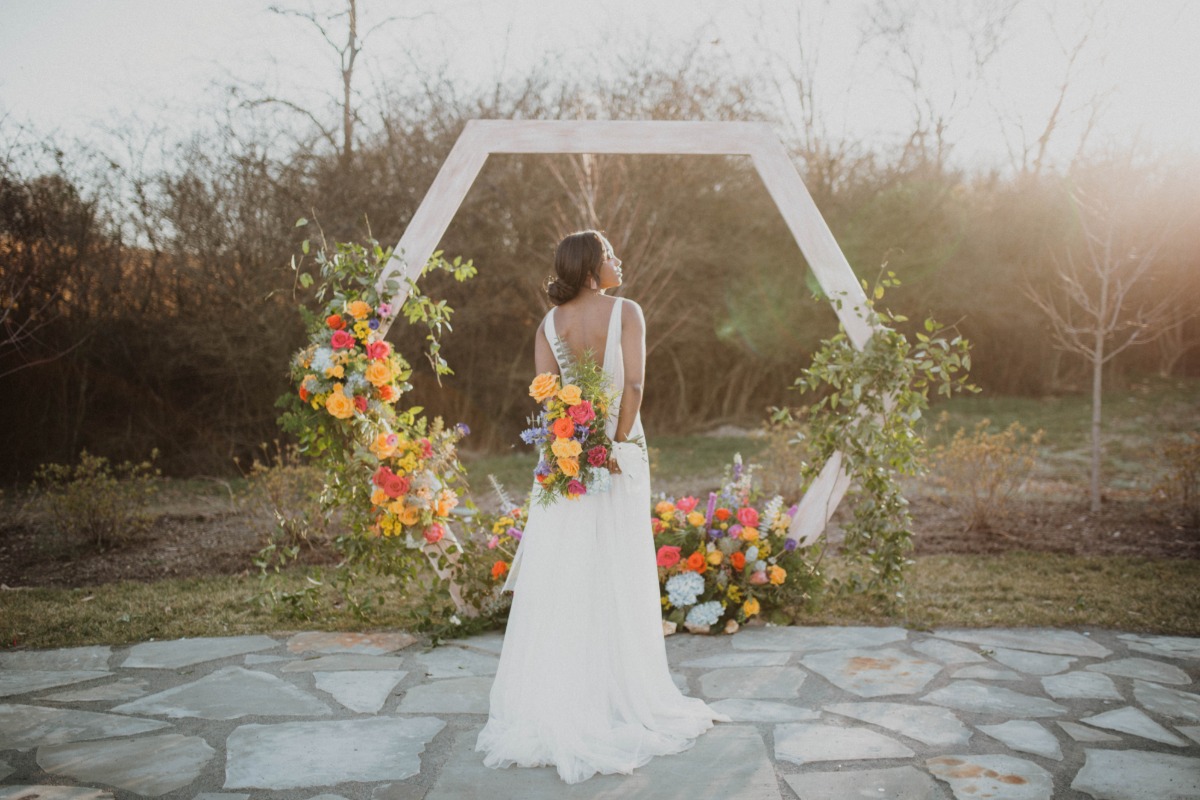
<point x="1067" y="643"/>
<point x="1143" y="669"/>
<point x="803" y="743"/>
<point x="364" y="692"/>
<point x="1025" y="736"/>
<point x="873" y="673"/>
<point x="366" y="644"/>
<point x="148" y="765"/>
<point x="996" y="776"/>
<point x="24" y="681"/>
<point x="752" y="682"/>
<point x="1137" y="775"/>
<point x="1134" y="721"/>
<point x="24" y="726"/>
<point x="1078" y="685"/>
<point x="933" y="726"/>
<point x="230" y="693"/>
<point x="895" y="783"/>
<point x="289" y="717"/>
<point x="291" y="755"/>
<point x="186" y="652"/>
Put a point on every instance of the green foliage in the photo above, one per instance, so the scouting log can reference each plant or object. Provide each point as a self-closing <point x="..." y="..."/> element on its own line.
<point x="103" y="503"/>
<point x="867" y="405"/>
<point x="981" y="472"/>
<point x="1180" y="487"/>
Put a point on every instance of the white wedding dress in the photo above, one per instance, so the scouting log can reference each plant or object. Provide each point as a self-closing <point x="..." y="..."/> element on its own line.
<point x="583" y="682"/>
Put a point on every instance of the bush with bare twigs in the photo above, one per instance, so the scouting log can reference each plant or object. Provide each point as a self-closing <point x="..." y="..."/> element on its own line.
<point x="981" y="471"/>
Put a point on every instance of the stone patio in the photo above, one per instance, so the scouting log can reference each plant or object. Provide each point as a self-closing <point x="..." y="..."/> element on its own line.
<point x="833" y="712"/>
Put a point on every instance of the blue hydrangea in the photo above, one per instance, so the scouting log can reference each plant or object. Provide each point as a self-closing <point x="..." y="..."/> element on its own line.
<point x="751" y="552"/>
<point x="355" y="383"/>
<point x="705" y="613"/>
<point x="600" y="482"/>
<point x="760" y="565"/>
<point x="684" y="588"/>
<point x="322" y="360"/>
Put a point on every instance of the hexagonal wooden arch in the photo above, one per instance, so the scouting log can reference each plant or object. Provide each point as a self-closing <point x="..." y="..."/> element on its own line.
<point x="481" y="138"/>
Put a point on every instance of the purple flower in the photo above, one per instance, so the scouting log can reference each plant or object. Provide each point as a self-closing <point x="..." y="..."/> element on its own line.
<point x="581" y="432"/>
<point x="714" y="533"/>
<point x="735" y="530"/>
<point x="789" y="545"/>
<point x="384" y="309"/>
<point x="543" y="468"/>
<point x="373" y="324"/>
<point x="712" y="507"/>
<point x="463" y="429"/>
<point x="514" y="533"/>
<point x="791" y="512"/>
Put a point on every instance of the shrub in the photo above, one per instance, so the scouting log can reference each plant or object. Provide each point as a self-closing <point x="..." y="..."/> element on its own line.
<point x="283" y="496"/>
<point x="982" y="471"/>
<point x="1180" y="487"/>
<point x="101" y="503"/>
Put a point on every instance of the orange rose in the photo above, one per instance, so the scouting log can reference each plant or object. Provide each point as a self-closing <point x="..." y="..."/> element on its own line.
<point x="563" y="428"/>
<point x="569" y="466"/>
<point x="338" y="404"/>
<point x="697" y="563"/>
<point x="386" y="393"/>
<point x="379" y="373"/>
<point x="335" y="321"/>
<point x="571" y="394"/>
<point x="498" y="569"/>
<point x="566" y="448"/>
<point x="664" y="508"/>
<point x="544" y="386"/>
<point x="738" y="560"/>
<point x="359" y="310"/>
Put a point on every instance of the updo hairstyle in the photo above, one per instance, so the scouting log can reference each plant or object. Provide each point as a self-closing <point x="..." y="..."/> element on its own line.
<point x="578" y="257"/>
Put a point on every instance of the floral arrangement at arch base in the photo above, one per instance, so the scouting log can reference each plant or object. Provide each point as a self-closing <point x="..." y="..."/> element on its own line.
<point x="391" y="472"/>
<point x="728" y="562"/>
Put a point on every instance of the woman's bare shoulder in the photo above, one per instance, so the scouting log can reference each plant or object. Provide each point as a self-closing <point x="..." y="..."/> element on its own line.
<point x="631" y="313"/>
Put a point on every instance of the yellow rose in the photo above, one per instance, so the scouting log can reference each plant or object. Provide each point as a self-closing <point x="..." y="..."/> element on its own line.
<point x="569" y="466"/>
<point x="571" y="394"/>
<point x="379" y="373"/>
<point x="566" y="448"/>
<point x="715" y="556"/>
<point x="750" y="607"/>
<point x="749" y="534"/>
<point x="777" y="574"/>
<point x="543" y="386"/>
<point x="338" y="404"/>
<point x="695" y="519"/>
<point x="359" y="310"/>
<point x="335" y="371"/>
<point x="381" y="447"/>
<point x="378" y="497"/>
<point x="446" y="502"/>
<point x="410" y="515"/>
<point x="396" y="507"/>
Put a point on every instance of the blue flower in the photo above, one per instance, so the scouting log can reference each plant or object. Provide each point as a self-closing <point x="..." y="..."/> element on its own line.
<point x="374" y="324"/>
<point x="789" y="545"/>
<point x="543" y="468"/>
<point x="705" y="613"/>
<point x="751" y="552"/>
<point x="684" y="588"/>
<point x="463" y="429"/>
<point x="322" y="360"/>
<point x="533" y="436"/>
<point x="581" y="432"/>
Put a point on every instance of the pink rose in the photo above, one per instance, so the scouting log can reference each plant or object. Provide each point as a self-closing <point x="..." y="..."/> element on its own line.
<point x="597" y="455"/>
<point x="657" y="525"/>
<point x="427" y="450"/>
<point x="395" y="486"/>
<point x="576" y="488"/>
<point x="758" y="578"/>
<point x="668" y="556"/>
<point x="435" y="532"/>
<point x="582" y="413"/>
<point x="687" y="504"/>
<point x="748" y="517"/>
<point x="380" y="477"/>
<point x="377" y="351"/>
<point x="342" y="340"/>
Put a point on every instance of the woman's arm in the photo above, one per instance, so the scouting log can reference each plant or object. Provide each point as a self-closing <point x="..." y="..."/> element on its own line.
<point x="633" y="351"/>
<point x="543" y="356"/>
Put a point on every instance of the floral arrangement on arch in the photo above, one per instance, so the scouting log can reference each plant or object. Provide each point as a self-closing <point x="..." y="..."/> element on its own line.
<point x="727" y="561"/>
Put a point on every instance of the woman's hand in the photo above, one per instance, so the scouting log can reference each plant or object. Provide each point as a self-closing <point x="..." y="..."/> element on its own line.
<point x="612" y="465"/>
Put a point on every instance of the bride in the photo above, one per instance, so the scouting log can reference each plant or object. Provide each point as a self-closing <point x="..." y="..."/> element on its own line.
<point x="583" y="683"/>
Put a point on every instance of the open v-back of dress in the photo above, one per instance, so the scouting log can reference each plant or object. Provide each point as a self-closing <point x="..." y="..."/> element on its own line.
<point x="583" y="682"/>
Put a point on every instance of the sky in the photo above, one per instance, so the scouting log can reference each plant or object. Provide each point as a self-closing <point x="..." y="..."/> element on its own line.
<point x="75" y="68"/>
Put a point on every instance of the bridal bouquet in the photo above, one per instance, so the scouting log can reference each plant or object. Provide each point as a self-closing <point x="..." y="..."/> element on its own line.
<point x="569" y="433"/>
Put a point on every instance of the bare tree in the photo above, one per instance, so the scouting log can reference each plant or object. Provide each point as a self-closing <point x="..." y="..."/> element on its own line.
<point x="1091" y="302"/>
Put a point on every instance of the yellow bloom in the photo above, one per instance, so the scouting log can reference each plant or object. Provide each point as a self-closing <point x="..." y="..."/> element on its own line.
<point x="378" y="497"/>
<point x="410" y="515"/>
<point x="664" y="508"/>
<point x="777" y="574"/>
<point x="569" y="466"/>
<point x="358" y="309"/>
<point x="408" y="463"/>
<point x="380" y="446"/>
<point x="749" y="534"/>
<point x="566" y="448"/>
<point x="764" y="548"/>
<point x="396" y="507"/>
<point x="665" y="601"/>
<point x="543" y="386"/>
<point x="379" y="373"/>
<point x="336" y="371"/>
<point x="338" y="404"/>
<point x="715" y="557"/>
<point x="501" y="525"/>
<point x="734" y="593"/>
<point x="750" y="607"/>
<point x="571" y="394"/>
<point x="446" y="502"/>
<point x="695" y="519"/>
<point x="362" y="330"/>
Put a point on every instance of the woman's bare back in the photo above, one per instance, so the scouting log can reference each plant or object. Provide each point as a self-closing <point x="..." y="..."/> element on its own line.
<point x="583" y="325"/>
